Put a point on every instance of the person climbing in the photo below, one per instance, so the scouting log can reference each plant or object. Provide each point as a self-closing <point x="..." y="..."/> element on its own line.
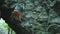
<point x="17" y="12"/>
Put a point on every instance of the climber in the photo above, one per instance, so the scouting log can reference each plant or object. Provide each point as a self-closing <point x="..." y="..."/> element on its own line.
<point x="17" y="12"/>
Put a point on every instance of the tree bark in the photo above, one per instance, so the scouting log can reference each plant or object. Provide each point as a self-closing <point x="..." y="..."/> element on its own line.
<point x="15" y="25"/>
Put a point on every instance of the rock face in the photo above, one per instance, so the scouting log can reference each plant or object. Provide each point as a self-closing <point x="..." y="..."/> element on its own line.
<point x="36" y="15"/>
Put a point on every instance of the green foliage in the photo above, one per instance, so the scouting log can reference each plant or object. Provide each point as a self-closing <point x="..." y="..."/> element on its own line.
<point x="5" y="26"/>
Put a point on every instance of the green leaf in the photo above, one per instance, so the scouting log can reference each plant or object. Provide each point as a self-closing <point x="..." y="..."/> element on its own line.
<point x="4" y="26"/>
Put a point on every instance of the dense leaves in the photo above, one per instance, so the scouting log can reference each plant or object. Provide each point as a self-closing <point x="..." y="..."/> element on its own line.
<point x="39" y="16"/>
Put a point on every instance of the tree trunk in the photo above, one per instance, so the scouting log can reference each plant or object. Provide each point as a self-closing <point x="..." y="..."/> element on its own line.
<point x="15" y="25"/>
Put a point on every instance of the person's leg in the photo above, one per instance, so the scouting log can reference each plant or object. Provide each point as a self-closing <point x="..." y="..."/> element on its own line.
<point x="19" y="18"/>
